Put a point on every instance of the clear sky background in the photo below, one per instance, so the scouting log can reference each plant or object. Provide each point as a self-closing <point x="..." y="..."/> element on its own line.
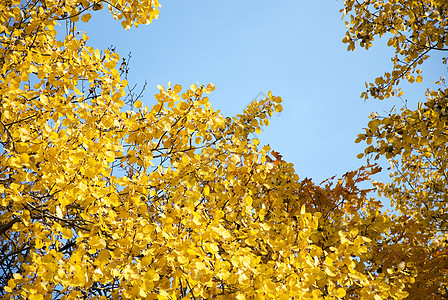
<point x="246" y="47"/>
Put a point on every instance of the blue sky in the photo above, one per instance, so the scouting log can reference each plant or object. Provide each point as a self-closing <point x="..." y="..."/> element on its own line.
<point x="246" y="47"/>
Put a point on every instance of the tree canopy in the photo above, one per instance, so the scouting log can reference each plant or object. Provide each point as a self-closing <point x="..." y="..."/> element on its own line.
<point x="413" y="140"/>
<point x="102" y="197"/>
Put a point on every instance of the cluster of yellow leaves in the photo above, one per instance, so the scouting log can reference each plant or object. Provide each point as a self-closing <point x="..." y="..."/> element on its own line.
<point x="414" y="28"/>
<point x="413" y="140"/>
<point x="172" y="201"/>
<point x="415" y="143"/>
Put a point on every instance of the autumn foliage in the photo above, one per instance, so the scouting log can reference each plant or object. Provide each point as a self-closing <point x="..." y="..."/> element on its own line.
<point x="102" y="197"/>
<point x="414" y="140"/>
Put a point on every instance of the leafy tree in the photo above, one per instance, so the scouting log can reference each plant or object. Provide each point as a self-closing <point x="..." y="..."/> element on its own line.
<point x="413" y="140"/>
<point x="104" y="198"/>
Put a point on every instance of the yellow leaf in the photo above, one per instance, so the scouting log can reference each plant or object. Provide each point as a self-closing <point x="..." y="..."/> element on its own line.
<point x="33" y="68"/>
<point x="7" y="289"/>
<point x="24" y="158"/>
<point x="182" y="259"/>
<point x="278" y="108"/>
<point x="138" y="104"/>
<point x="167" y="126"/>
<point x="221" y="231"/>
<point x="67" y="233"/>
<point x="340" y="292"/>
<point x="110" y="64"/>
<point x="43" y="99"/>
<point x="329" y="272"/>
<point x="151" y="275"/>
<point x="110" y="156"/>
<point x="211" y="86"/>
<point x="212" y="248"/>
<point x="86" y="17"/>
<point x="366" y="239"/>
<point x="74" y="18"/>
<point x="163" y="295"/>
<point x="200" y="265"/>
<point x="177" y="88"/>
<point x="248" y="200"/>
<point x="402" y="294"/>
